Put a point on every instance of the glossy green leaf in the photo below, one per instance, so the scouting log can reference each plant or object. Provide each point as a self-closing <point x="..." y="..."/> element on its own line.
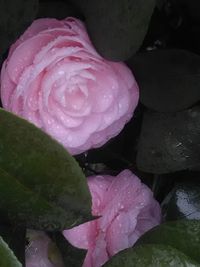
<point x="20" y="204"/>
<point x="7" y="257"/>
<point x="33" y="163"/>
<point x="151" y="256"/>
<point x="183" y="235"/>
<point x="183" y="202"/>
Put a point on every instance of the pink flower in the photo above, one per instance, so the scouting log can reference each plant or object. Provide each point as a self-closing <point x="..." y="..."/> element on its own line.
<point x="41" y="251"/>
<point x="54" y="78"/>
<point x="127" y="209"/>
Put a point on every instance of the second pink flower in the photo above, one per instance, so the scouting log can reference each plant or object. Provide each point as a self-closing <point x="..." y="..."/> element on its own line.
<point x="127" y="209"/>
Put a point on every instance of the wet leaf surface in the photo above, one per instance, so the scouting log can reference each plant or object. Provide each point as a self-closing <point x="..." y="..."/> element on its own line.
<point x="182" y="235"/>
<point x="151" y="256"/>
<point x="7" y="257"/>
<point x="40" y="181"/>
<point x="169" y="142"/>
<point x="183" y="202"/>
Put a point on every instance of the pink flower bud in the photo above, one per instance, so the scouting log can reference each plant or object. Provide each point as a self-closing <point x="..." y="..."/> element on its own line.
<point x="127" y="209"/>
<point x="54" y="78"/>
<point x="41" y="251"/>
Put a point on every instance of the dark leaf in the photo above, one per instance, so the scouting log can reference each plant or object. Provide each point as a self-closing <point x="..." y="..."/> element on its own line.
<point x="30" y="209"/>
<point x="151" y="256"/>
<point x="183" y="202"/>
<point x="168" y="79"/>
<point x="170" y="142"/>
<point x="56" y="9"/>
<point x="16" y="16"/>
<point x="117" y="28"/>
<point x="38" y="174"/>
<point x="182" y="235"/>
<point x="161" y="185"/>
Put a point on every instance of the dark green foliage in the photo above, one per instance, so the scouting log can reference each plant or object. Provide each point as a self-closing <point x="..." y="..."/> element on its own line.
<point x="151" y="256"/>
<point x="170" y="244"/>
<point x="184" y="235"/>
<point x="117" y="28"/>
<point x="15" y="17"/>
<point x="170" y="142"/>
<point x="59" y="10"/>
<point x="169" y="79"/>
<point x="40" y="182"/>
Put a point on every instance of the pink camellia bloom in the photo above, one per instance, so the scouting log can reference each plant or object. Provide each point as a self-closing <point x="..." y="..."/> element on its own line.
<point x="127" y="209"/>
<point x="54" y="78"/>
<point x="41" y="251"/>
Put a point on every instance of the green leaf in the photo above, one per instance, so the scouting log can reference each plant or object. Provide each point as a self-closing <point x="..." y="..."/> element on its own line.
<point x="151" y="256"/>
<point x="42" y="182"/>
<point x="15" y="237"/>
<point x="7" y="257"/>
<point x="183" y="235"/>
<point x="20" y="204"/>
<point x="183" y="202"/>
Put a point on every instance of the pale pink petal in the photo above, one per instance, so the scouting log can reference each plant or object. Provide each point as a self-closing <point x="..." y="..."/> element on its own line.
<point x="98" y="186"/>
<point x="99" y="254"/>
<point x="7" y="87"/>
<point x="24" y="54"/>
<point x="118" y="232"/>
<point x="38" y="26"/>
<point x="82" y="236"/>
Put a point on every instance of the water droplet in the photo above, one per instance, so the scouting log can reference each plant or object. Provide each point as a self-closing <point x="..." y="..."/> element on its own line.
<point x="61" y="72"/>
<point x="98" y="202"/>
